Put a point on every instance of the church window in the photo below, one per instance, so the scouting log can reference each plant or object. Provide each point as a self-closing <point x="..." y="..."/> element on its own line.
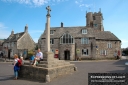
<point x="84" y="31"/>
<point x="84" y="51"/>
<point x="109" y="45"/>
<point x="84" y="41"/>
<point x="66" y="39"/>
<point x="51" y="41"/>
<point x="51" y="32"/>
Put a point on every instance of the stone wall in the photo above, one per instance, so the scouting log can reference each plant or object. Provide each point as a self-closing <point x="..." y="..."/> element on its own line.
<point x="94" y="48"/>
<point x="102" y="45"/>
<point x="70" y="48"/>
<point x="26" y="42"/>
<point x="39" y="73"/>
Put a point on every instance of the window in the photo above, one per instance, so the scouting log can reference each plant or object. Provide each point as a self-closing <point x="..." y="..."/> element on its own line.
<point x="94" y="18"/>
<point x="84" y="31"/>
<point x="84" y="51"/>
<point x="66" y="39"/>
<point x="95" y="25"/>
<point x="84" y="41"/>
<point x="51" y="41"/>
<point x="51" y="32"/>
<point x="109" y="45"/>
<point x="103" y="52"/>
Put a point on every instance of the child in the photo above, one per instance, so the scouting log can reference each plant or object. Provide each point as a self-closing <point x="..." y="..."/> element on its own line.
<point x="22" y="60"/>
<point x="32" y="59"/>
<point x="16" y="67"/>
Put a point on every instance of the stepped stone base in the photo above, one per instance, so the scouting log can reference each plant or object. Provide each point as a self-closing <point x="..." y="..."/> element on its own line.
<point x="48" y="69"/>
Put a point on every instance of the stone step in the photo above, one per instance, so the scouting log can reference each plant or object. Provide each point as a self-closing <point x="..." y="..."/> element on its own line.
<point x="53" y="64"/>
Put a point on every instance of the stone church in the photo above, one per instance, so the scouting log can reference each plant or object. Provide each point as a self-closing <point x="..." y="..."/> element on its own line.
<point x="18" y="43"/>
<point x="87" y="42"/>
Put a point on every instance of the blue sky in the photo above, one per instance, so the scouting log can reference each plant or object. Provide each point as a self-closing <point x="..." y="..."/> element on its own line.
<point x="15" y="14"/>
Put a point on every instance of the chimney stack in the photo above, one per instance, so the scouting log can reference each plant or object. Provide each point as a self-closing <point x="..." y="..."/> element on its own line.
<point x="61" y="24"/>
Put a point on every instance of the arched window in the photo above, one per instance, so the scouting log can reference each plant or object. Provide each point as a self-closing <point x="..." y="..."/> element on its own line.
<point x="66" y="39"/>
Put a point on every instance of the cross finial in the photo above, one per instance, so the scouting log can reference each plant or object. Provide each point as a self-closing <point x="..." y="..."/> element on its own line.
<point x="48" y="10"/>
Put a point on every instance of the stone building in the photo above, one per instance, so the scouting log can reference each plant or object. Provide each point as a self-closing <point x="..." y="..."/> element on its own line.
<point x="87" y="42"/>
<point x="19" y="43"/>
<point x="1" y="44"/>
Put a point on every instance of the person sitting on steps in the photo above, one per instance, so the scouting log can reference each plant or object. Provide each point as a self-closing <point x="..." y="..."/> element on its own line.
<point x="39" y="56"/>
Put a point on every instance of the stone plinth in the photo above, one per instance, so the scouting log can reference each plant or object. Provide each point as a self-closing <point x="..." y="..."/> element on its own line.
<point x="40" y="73"/>
<point x="48" y="69"/>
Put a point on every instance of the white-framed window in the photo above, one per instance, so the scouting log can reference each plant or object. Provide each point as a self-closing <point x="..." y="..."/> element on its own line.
<point x="51" y="41"/>
<point x="84" y="31"/>
<point x="109" y="45"/>
<point x="84" y="51"/>
<point x="84" y="41"/>
<point x="51" y="32"/>
<point x="67" y="39"/>
<point x="103" y="52"/>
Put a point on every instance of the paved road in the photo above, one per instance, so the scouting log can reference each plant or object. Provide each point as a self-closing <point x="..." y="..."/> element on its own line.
<point x="78" y="78"/>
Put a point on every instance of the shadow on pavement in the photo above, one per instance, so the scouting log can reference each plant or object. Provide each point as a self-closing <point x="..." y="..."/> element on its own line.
<point x="5" y="78"/>
<point x="120" y="63"/>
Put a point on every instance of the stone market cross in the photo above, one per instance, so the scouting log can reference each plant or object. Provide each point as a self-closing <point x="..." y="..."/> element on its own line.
<point x="48" y="10"/>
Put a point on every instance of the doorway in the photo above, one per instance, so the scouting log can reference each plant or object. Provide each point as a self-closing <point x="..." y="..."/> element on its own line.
<point x="9" y="53"/>
<point x="67" y="55"/>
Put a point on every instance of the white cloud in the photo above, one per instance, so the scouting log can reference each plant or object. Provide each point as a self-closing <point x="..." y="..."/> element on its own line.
<point x="35" y="40"/>
<point x="76" y="2"/>
<point x="36" y="3"/>
<point x="2" y="26"/>
<point x="124" y="43"/>
<point x="83" y="5"/>
<point x="4" y="33"/>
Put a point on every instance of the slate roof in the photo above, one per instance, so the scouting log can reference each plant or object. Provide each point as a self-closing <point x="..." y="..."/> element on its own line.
<point x="106" y="35"/>
<point x="73" y="31"/>
<point x="76" y="33"/>
<point x="14" y="38"/>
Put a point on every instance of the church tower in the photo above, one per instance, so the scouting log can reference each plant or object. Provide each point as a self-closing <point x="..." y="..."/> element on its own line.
<point x="95" y="20"/>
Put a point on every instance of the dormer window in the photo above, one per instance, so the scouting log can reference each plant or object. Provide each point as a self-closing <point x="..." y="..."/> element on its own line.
<point x="51" y="32"/>
<point x="84" y="31"/>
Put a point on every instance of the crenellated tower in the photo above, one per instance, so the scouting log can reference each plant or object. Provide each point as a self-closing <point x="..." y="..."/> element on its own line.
<point x="95" y="20"/>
